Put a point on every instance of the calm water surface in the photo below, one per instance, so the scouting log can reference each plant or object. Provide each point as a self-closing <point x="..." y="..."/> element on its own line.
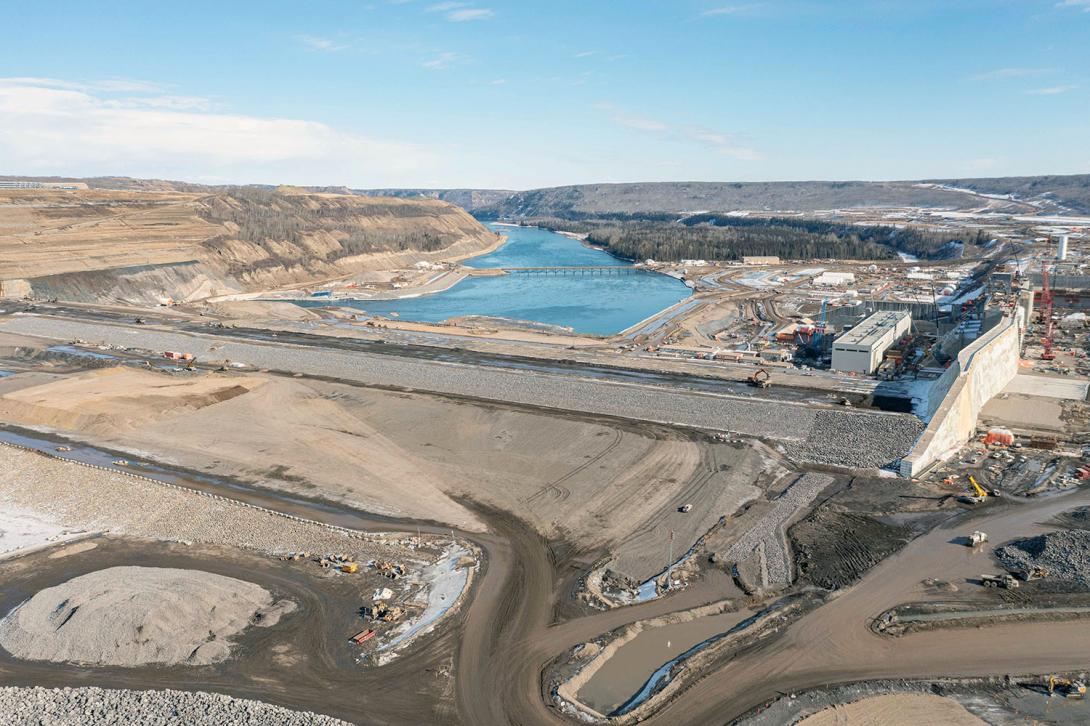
<point x="595" y="304"/>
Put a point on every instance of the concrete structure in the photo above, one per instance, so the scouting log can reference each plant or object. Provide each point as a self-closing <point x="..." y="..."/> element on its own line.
<point x="1061" y="251"/>
<point x="834" y="279"/>
<point x="760" y="260"/>
<point x="980" y="371"/>
<point x="860" y="349"/>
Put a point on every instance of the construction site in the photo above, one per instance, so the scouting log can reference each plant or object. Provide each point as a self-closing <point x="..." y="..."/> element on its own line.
<point x="810" y="490"/>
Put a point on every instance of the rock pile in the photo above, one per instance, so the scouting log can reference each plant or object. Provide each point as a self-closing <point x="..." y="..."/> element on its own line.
<point x="1065" y="554"/>
<point x="103" y="707"/>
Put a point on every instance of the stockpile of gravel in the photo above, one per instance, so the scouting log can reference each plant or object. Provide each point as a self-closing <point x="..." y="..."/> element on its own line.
<point x="844" y="438"/>
<point x="131" y="616"/>
<point x="102" y="707"/>
<point x="1066" y="555"/>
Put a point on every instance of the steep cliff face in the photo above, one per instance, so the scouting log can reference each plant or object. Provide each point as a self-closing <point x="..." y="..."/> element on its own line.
<point x="144" y="247"/>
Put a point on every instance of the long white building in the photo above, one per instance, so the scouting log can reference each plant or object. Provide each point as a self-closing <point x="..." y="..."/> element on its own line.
<point x="860" y="349"/>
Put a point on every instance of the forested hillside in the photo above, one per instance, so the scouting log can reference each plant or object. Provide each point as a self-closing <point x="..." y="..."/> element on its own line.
<point x="730" y="238"/>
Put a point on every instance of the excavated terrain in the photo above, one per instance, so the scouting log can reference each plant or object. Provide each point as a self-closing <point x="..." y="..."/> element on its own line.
<point x="148" y="247"/>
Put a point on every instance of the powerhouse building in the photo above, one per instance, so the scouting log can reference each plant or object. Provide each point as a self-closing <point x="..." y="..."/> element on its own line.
<point x="860" y="349"/>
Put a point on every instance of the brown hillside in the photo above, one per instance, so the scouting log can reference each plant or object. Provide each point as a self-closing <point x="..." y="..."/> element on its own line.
<point x="139" y="246"/>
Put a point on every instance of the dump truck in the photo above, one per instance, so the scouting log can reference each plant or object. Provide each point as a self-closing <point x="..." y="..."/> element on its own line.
<point x="977" y="538"/>
<point x="1006" y="581"/>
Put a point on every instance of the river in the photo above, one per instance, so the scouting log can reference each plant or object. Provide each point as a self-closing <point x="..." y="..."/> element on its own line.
<point x="592" y="304"/>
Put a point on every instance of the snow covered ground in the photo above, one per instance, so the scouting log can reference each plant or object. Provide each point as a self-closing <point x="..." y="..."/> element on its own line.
<point x="22" y="530"/>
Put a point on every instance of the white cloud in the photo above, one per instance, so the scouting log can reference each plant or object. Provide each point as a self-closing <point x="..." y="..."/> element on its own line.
<point x="623" y="118"/>
<point x="442" y="61"/>
<point x="730" y="10"/>
<point x="459" y="12"/>
<point x="729" y="144"/>
<point x="1000" y="73"/>
<point x="585" y="54"/>
<point x="720" y="141"/>
<point x="324" y="45"/>
<point x="49" y="126"/>
<point x="1083" y="4"/>
<point x="1051" y="90"/>
<point x="467" y="14"/>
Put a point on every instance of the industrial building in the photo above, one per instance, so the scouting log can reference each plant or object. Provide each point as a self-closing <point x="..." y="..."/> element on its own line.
<point x="860" y="349"/>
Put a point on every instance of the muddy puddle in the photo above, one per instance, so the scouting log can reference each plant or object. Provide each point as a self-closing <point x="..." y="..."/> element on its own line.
<point x="636" y="664"/>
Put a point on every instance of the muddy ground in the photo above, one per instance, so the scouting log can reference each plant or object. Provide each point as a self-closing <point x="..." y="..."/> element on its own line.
<point x="304" y="662"/>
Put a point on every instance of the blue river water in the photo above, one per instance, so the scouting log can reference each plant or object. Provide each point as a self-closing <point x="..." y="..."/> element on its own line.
<point x="593" y="304"/>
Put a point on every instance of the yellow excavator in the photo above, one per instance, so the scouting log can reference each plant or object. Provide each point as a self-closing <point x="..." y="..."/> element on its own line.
<point x="1066" y="686"/>
<point x="980" y="492"/>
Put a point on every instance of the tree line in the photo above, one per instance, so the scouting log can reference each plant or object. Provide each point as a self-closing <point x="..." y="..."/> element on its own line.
<point x="721" y="237"/>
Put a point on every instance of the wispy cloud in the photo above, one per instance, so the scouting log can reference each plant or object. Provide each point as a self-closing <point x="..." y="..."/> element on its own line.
<point x="586" y="53"/>
<point x="730" y="10"/>
<point x="458" y="12"/>
<point x="623" y="118"/>
<point x="498" y="82"/>
<point x="110" y="85"/>
<point x="53" y="126"/>
<point x="325" y="45"/>
<point x="723" y="142"/>
<point x="467" y="14"/>
<point x="1051" y="90"/>
<point x="1083" y="5"/>
<point x="1000" y="73"/>
<point x="443" y="61"/>
<point x="727" y="143"/>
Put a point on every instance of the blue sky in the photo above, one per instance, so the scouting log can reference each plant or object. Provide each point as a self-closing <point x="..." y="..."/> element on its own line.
<point x="526" y="94"/>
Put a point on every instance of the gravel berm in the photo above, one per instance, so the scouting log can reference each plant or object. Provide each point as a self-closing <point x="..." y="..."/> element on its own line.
<point x="843" y="437"/>
<point x="107" y="707"/>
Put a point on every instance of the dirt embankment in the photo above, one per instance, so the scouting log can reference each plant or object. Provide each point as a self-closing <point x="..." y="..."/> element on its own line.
<point x="149" y="247"/>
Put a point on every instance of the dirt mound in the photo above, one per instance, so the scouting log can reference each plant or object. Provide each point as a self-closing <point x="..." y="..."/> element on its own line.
<point x="902" y="708"/>
<point x="130" y="616"/>
<point x="1065" y="554"/>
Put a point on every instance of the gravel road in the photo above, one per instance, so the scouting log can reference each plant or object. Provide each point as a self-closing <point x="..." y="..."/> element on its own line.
<point x="108" y="707"/>
<point x="866" y="438"/>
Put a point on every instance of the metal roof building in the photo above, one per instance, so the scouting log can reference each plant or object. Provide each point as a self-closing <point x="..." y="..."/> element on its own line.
<point x="860" y="349"/>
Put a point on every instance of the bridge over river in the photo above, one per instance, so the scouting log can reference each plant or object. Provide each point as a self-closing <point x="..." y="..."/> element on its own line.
<point x="575" y="270"/>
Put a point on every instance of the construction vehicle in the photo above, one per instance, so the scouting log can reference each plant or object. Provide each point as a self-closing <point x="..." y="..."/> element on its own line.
<point x="1006" y="581"/>
<point x="980" y="493"/>
<point x="350" y="567"/>
<point x="1035" y="572"/>
<point x="977" y="538"/>
<point x="759" y="379"/>
<point x="1066" y="686"/>
<point x="685" y="508"/>
<point x="363" y="636"/>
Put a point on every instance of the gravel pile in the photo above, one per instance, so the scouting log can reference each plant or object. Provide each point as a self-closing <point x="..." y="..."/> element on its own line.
<point x="131" y="616"/>
<point x="80" y="497"/>
<point x="1066" y="555"/>
<point x="102" y="707"/>
<point x="855" y="438"/>
<point x="767" y="539"/>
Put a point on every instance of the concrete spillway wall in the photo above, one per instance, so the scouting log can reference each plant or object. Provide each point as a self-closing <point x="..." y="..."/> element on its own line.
<point x="981" y="370"/>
